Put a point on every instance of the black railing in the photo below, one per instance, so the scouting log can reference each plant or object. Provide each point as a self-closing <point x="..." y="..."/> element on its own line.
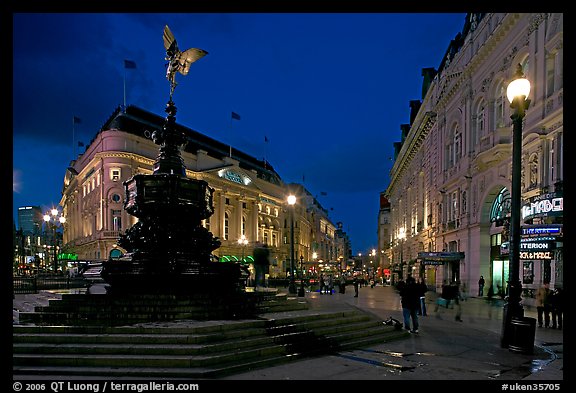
<point x="21" y="284"/>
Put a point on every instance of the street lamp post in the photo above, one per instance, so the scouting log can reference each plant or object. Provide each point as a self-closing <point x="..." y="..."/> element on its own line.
<point x="402" y="236"/>
<point x="292" y="284"/>
<point x="243" y="242"/>
<point x="517" y="93"/>
<point x="301" y="289"/>
<point x="53" y="220"/>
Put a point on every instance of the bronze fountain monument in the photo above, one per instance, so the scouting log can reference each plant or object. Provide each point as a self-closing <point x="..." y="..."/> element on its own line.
<point x="168" y="250"/>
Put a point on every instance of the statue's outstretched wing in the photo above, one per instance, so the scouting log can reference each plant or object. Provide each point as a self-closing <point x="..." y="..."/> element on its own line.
<point x="170" y="43"/>
<point x="188" y="57"/>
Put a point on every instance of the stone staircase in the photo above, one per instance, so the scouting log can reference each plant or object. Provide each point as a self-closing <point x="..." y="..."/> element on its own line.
<point x="204" y="349"/>
<point x="108" y="310"/>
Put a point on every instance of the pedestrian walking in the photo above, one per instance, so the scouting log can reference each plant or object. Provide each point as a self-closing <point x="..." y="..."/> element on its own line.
<point x="543" y="304"/>
<point x="355" y="282"/>
<point x="423" y="289"/>
<point x="481" y="286"/>
<point x="330" y="284"/>
<point x="557" y="308"/>
<point x="410" y="299"/>
<point x="457" y="298"/>
<point x="342" y="284"/>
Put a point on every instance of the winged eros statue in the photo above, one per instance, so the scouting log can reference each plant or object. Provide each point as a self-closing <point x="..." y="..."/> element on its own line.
<point x="178" y="61"/>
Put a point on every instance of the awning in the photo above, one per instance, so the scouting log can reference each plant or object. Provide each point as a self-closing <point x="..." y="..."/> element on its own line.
<point x="439" y="258"/>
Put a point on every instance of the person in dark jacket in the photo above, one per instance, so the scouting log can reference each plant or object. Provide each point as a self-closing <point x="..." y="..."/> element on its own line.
<point x="423" y="289"/>
<point x="261" y="262"/>
<point x="557" y="307"/>
<point x="410" y="299"/>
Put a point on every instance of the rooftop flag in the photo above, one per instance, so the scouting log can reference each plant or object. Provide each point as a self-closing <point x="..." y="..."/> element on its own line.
<point x="129" y="64"/>
<point x="76" y="120"/>
<point x="235" y="116"/>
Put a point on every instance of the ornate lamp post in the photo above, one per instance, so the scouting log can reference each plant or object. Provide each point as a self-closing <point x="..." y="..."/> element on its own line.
<point x="301" y="289"/>
<point x="517" y="93"/>
<point x="243" y="242"/>
<point x="53" y="220"/>
<point x="401" y="237"/>
<point x="292" y="285"/>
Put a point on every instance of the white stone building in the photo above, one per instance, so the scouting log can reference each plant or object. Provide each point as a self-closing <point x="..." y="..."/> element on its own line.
<point x="451" y="180"/>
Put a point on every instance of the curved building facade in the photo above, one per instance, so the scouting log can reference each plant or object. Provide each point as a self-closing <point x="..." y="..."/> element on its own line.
<point x="249" y="196"/>
<point x="450" y="184"/>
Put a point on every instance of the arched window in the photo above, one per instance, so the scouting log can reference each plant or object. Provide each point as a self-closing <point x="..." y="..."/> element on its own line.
<point x="501" y="206"/>
<point x="457" y="145"/>
<point x="479" y="123"/>
<point x="499" y="102"/>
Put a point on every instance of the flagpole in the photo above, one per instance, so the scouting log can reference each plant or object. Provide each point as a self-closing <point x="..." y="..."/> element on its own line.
<point x="73" y="138"/>
<point x="265" y="150"/>
<point x="230" y="136"/>
<point x="124" y="86"/>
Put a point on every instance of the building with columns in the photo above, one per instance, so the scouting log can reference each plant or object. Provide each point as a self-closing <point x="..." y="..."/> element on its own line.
<point x="450" y="184"/>
<point x="250" y="198"/>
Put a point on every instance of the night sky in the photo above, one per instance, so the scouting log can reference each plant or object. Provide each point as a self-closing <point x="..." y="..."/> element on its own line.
<point x="328" y="91"/>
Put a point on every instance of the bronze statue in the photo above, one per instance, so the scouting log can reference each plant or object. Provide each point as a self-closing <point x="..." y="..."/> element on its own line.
<point x="178" y="61"/>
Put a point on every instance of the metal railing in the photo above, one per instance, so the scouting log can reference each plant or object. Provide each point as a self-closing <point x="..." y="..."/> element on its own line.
<point x="33" y="284"/>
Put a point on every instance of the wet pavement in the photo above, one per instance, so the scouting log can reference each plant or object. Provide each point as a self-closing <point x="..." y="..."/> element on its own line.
<point x="444" y="349"/>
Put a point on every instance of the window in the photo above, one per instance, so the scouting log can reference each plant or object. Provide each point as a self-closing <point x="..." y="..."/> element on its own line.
<point x="116" y="198"/>
<point x="499" y="102"/>
<point x="528" y="272"/>
<point x="243" y="229"/>
<point x="115" y="174"/>
<point x="226" y="225"/>
<point x="501" y="206"/>
<point x="479" y="123"/>
<point x="116" y="220"/>
<point x="550" y="74"/>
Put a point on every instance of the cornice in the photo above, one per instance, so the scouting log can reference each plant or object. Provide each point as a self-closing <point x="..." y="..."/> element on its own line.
<point x="410" y="149"/>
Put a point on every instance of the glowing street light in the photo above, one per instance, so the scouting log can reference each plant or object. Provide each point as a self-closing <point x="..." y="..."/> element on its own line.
<point x="292" y="286"/>
<point x="243" y="242"/>
<point x="53" y="220"/>
<point x="517" y="92"/>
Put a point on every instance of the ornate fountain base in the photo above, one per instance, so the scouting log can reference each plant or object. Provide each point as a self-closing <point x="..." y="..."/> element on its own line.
<point x="145" y="274"/>
<point x="169" y="251"/>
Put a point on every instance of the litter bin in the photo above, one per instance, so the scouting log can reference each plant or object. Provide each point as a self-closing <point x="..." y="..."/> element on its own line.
<point x="522" y="334"/>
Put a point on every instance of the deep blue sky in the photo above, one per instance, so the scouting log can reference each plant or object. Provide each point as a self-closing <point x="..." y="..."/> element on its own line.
<point x="329" y="91"/>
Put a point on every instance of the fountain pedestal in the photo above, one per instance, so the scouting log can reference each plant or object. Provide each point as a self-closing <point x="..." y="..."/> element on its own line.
<point x="169" y="251"/>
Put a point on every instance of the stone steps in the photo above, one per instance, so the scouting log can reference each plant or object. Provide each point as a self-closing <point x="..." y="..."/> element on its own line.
<point x="191" y="349"/>
<point x="106" y="309"/>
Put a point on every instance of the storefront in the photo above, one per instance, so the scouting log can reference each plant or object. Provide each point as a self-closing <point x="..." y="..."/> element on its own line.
<point x="438" y="268"/>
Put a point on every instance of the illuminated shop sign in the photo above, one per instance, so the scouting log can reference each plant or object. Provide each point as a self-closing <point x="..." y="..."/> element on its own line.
<point x="551" y="204"/>
<point x="536" y="255"/>
<point x="541" y="230"/>
<point x="234" y="177"/>
<point x="537" y="246"/>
